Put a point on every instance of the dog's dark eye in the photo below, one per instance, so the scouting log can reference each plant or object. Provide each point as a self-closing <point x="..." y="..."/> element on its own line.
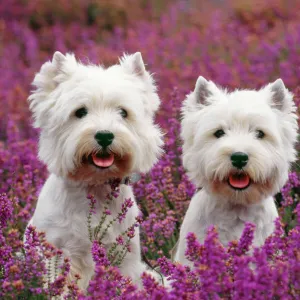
<point x="260" y="134"/>
<point x="123" y="113"/>
<point x="219" y="133"/>
<point x="81" y="112"/>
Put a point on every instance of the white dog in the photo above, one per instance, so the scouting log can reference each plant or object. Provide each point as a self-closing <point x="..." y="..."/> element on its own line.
<point x="237" y="150"/>
<point x="96" y="124"/>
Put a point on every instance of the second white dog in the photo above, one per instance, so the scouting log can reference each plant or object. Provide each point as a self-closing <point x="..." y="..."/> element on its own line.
<point x="96" y="124"/>
<point x="237" y="150"/>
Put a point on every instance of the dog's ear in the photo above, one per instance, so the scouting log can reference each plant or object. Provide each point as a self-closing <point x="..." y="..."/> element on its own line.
<point x="51" y="74"/>
<point x="134" y="64"/>
<point x="204" y="90"/>
<point x="281" y="98"/>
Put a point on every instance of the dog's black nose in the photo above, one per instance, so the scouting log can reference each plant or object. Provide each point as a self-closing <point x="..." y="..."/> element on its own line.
<point x="104" y="138"/>
<point x="239" y="159"/>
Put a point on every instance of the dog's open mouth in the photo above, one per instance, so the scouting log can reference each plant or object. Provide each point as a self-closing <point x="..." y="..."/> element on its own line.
<point x="102" y="160"/>
<point x="239" y="181"/>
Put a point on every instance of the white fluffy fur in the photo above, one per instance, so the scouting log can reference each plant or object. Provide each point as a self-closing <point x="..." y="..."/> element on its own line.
<point x="207" y="158"/>
<point x="64" y="85"/>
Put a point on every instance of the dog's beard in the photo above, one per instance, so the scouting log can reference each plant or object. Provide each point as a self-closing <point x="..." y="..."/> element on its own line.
<point x="95" y="165"/>
<point x="238" y="187"/>
<point x="91" y="172"/>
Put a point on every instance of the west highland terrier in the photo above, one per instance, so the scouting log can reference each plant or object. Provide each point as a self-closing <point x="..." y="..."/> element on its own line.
<point x="237" y="149"/>
<point x="96" y="125"/>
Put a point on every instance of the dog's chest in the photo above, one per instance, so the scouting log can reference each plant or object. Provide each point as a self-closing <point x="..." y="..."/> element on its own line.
<point x="230" y="221"/>
<point x="108" y="223"/>
<point x="230" y="226"/>
<point x="79" y="221"/>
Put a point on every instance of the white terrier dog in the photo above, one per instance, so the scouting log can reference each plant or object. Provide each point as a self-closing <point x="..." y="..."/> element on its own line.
<point x="96" y="124"/>
<point x="237" y="150"/>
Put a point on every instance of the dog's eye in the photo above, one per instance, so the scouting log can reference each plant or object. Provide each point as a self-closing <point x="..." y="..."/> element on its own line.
<point x="219" y="133"/>
<point x="123" y="113"/>
<point x="81" y="112"/>
<point x="260" y="134"/>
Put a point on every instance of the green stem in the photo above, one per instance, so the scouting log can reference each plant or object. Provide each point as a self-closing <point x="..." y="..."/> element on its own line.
<point x="89" y="220"/>
<point x="103" y="218"/>
<point x="123" y="253"/>
<point x="107" y="227"/>
<point x="49" y="275"/>
<point x="112" y="250"/>
<point x="55" y="265"/>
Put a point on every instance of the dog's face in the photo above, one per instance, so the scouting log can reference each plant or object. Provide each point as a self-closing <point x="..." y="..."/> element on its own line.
<point x="239" y="145"/>
<point x="96" y="123"/>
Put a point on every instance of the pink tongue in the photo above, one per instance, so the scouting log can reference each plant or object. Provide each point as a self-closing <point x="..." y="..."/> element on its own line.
<point x="239" y="181"/>
<point x="103" y="162"/>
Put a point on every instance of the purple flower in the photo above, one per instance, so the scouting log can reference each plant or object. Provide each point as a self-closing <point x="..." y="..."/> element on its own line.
<point x="125" y="206"/>
<point x="120" y="240"/>
<point x="99" y="254"/>
<point x="245" y="240"/>
<point x="92" y="203"/>
<point x="6" y="209"/>
<point x="107" y="212"/>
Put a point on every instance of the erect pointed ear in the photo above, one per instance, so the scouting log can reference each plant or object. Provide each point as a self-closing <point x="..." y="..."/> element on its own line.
<point x="58" y="60"/>
<point x="204" y="90"/>
<point x="51" y="74"/>
<point x="133" y="64"/>
<point x="281" y="98"/>
<point x="54" y="72"/>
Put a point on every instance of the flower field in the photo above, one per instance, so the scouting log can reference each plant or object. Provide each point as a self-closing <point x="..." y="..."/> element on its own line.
<point x="244" y="44"/>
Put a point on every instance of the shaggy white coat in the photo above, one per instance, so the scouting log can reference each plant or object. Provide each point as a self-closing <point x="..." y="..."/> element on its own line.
<point x="240" y="114"/>
<point x="63" y="86"/>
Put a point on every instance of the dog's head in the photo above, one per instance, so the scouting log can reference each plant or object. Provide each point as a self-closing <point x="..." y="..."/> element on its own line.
<point x="239" y="145"/>
<point x="96" y="123"/>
